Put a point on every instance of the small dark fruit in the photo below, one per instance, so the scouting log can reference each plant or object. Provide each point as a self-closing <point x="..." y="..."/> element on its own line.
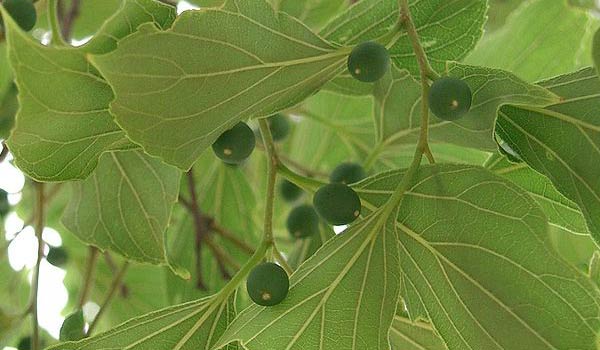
<point x="22" y="11"/>
<point x="347" y="173"/>
<point x="280" y="126"/>
<point x="289" y="191"/>
<point x="368" y="62"/>
<point x="450" y="98"/>
<point x="235" y="144"/>
<point x="57" y="256"/>
<point x="337" y="203"/>
<point x="268" y="284"/>
<point x="303" y="221"/>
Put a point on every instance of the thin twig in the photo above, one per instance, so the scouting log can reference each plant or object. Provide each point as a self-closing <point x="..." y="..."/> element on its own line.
<point x="90" y="268"/>
<point x="69" y="19"/>
<point x="223" y="232"/>
<point x="273" y="161"/>
<point x="114" y="269"/>
<point x="39" y="229"/>
<point x="111" y="293"/>
<point x="47" y="200"/>
<point x="200" y="228"/>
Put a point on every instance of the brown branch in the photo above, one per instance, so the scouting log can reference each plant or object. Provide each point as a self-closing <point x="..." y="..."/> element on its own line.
<point x="111" y="293"/>
<point x="47" y="199"/>
<point x="90" y="269"/>
<point x="222" y="258"/>
<point x="200" y="228"/>
<point x="223" y="232"/>
<point x="68" y="19"/>
<point x="114" y="269"/>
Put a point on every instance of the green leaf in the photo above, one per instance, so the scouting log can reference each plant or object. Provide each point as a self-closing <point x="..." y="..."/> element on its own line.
<point x="561" y="212"/>
<point x="344" y="297"/>
<point x="475" y="249"/>
<point x="8" y="109"/>
<point x="562" y="141"/>
<point x="193" y="325"/>
<point x="406" y="335"/>
<point x="64" y="124"/>
<point x="125" y="205"/>
<point x="73" y="327"/>
<point x="225" y="195"/>
<point x="335" y="128"/>
<point x="313" y="13"/>
<point x="542" y="39"/>
<point x="596" y="50"/>
<point x="448" y="29"/>
<point x="399" y="95"/>
<point x="207" y="77"/>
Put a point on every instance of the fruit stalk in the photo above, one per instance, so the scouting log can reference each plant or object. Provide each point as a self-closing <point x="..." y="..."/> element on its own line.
<point x="54" y="25"/>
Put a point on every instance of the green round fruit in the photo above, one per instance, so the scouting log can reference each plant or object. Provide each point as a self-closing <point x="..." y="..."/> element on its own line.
<point x="303" y="221"/>
<point x="235" y="144"/>
<point x="337" y="203"/>
<point x="450" y="98"/>
<point x="24" y="343"/>
<point x="289" y="191"/>
<point x="280" y="126"/>
<point x="22" y="11"/>
<point x="347" y="173"/>
<point x="57" y="256"/>
<point x="268" y="284"/>
<point x="368" y="62"/>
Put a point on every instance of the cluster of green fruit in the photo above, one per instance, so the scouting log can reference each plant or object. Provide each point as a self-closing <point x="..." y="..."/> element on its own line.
<point x="336" y="203"/>
<point x="22" y="12"/>
<point x="235" y="145"/>
<point x="449" y="98"/>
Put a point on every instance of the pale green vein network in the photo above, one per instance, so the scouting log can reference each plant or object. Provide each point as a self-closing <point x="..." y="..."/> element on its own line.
<point x="354" y="271"/>
<point x="194" y="325"/>
<point x="477" y="254"/>
<point x="448" y="29"/>
<point x="125" y="205"/>
<point x="562" y="141"/>
<point x="63" y="124"/>
<point x="399" y="95"/>
<point x="207" y="77"/>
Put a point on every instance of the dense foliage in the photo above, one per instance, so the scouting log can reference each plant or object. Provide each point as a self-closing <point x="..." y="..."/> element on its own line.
<point x="303" y="174"/>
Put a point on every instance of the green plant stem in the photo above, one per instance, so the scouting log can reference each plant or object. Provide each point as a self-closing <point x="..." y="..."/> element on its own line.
<point x="407" y="23"/>
<point x="116" y="283"/>
<point x="57" y="38"/>
<point x="422" y="148"/>
<point x="307" y="183"/>
<point x="273" y="161"/>
<point x="281" y="260"/>
<point x="90" y="270"/>
<point x="35" y="282"/>
<point x="425" y="71"/>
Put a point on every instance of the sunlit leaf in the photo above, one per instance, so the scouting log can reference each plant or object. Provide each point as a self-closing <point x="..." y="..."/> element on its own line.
<point x="475" y="249"/>
<point x="208" y="77"/>
<point x="562" y="141"/>
<point x="125" y="205"/>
